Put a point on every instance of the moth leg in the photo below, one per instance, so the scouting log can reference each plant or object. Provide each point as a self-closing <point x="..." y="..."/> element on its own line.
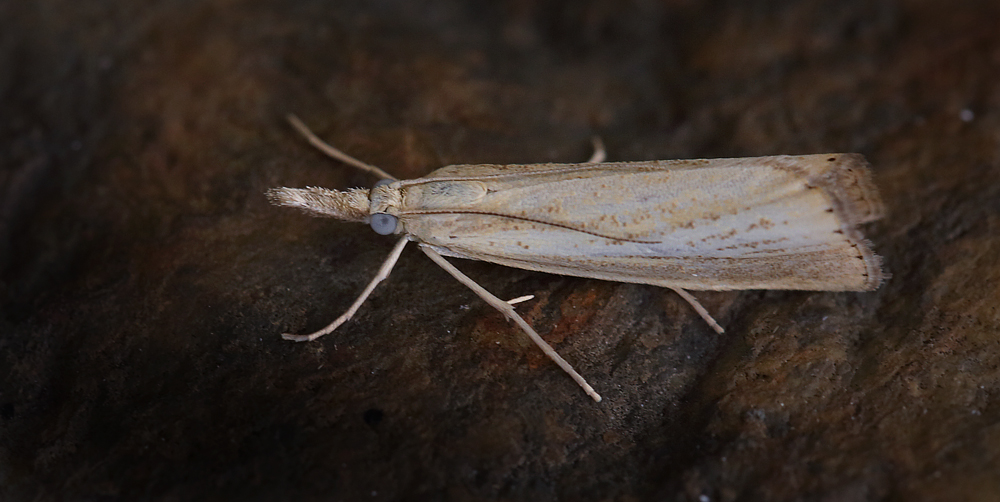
<point x="383" y="272"/>
<point x="509" y="313"/>
<point x="515" y="301"/>
<point x="600" y="154"/>
<point x="333" y="152"/>
<point x="699" y="309"/>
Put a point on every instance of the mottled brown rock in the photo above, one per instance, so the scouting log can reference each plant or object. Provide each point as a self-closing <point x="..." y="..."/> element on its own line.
<point x="146" y="279"/>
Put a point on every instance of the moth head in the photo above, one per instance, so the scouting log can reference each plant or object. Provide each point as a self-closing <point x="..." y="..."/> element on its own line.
<point x="384" y="201"/>
<point x="378" y="207"/>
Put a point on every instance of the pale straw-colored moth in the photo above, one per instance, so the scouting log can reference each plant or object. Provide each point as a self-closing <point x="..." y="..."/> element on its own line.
<point x="783" y="222"/>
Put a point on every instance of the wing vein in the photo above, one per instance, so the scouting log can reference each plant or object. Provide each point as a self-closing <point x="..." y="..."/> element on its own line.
<point x="532" y="220"/>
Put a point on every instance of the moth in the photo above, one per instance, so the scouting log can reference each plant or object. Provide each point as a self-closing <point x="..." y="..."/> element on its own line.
<point x="780" y="222"/>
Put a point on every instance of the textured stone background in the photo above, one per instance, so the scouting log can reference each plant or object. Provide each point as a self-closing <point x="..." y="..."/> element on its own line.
<point x="145" y="279"/>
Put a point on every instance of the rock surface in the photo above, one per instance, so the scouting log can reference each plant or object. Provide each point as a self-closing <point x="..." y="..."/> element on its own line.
<point x="146" y="279"/>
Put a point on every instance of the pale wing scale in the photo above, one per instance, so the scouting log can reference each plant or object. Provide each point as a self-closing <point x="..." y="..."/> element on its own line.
<point x="760" y="223"/>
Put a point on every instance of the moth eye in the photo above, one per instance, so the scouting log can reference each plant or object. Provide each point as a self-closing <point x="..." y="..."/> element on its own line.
<point x="382" y="223"/>
<point x="382" y="182"/>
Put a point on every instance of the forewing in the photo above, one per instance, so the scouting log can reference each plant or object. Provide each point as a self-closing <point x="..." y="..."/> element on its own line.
<point x="759" y="223"/>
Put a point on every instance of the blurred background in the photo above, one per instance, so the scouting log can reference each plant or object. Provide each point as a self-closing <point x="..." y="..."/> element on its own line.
<point x="144" y="279"/>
